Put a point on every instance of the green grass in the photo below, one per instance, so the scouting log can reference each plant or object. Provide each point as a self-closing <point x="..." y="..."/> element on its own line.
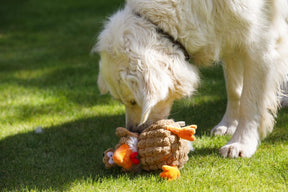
<point x="48" y="79"/>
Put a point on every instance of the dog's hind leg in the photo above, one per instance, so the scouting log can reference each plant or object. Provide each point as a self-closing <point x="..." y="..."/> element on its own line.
<point x="233" y="72"/>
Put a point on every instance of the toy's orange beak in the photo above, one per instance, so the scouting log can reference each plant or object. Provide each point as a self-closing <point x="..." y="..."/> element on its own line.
<point x="122" y="156"/>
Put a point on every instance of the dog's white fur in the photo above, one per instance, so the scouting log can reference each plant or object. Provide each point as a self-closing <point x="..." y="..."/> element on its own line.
<point x="147" y="72"/>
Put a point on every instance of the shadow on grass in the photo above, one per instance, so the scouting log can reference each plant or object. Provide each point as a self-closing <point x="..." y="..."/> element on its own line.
<point x="66" y="153"/>
<point x="58" y="156"/>
<point x="62" y="154"/>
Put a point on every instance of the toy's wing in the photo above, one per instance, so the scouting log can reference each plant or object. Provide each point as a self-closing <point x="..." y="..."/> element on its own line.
<point x="184" y="132"/>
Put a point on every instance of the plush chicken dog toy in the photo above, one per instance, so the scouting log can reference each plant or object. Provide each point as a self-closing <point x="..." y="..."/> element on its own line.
<point x="163" y="145"/>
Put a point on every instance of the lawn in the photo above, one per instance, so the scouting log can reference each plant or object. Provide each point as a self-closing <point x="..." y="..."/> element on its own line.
<point x="48" y="82"/>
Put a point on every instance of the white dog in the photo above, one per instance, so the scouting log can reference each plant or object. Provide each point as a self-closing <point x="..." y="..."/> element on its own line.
<point x="144" y="64"/>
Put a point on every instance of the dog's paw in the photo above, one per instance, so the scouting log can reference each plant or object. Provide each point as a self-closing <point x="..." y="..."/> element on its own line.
<point x="224" y="128"/>
<point x="235" y="150"/>
<point x="219" y="130"/>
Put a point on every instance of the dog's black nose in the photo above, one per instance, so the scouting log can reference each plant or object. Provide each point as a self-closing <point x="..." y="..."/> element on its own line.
<point x="134" y="128"/>
<point x="130" y="128"/>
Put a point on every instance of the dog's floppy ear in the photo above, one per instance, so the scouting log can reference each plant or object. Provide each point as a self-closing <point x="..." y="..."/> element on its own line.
<point x="165" y="76"/>
<point x="157" y="82"/>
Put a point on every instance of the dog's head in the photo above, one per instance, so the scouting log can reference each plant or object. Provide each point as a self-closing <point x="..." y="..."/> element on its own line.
<point x="142" y="69"/>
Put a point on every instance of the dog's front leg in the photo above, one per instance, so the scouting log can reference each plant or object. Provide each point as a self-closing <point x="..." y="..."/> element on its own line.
<point x="256" y="103"/>
<point x="233" y="73"/>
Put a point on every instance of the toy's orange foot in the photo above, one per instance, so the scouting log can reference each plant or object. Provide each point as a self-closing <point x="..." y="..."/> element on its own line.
<point x="170" y="172"/>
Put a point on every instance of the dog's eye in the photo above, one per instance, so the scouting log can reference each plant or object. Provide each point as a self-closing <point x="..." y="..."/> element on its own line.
<point x="133" y="102"/>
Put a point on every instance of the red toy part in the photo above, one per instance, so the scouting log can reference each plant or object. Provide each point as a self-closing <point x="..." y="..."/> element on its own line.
<point x="134" y="158"/>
